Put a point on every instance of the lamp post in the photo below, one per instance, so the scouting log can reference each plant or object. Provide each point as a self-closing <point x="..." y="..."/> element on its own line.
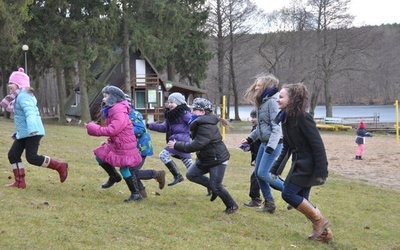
<point x="25" y="48"/>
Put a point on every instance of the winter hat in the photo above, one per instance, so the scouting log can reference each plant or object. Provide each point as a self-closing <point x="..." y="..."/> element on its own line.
<point x="361" y="125"/>
<point x="253" y="114"/>
<point x="177" y="98"/>
<point x="114" y="95"/>
<point x="128" y="98"/>
<point x="202" y="104"/>
<point x="20" y="78"/>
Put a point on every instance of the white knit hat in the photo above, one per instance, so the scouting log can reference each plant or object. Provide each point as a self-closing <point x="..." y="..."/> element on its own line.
<point x="177" y="98"/>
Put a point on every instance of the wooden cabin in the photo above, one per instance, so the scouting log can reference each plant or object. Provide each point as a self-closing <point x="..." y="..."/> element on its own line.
<point x="149" y="90"/>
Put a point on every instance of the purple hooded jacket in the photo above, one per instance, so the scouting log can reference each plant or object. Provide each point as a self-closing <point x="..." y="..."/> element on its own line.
<point x="176" y="127"/>
<point x="120" y="150"/>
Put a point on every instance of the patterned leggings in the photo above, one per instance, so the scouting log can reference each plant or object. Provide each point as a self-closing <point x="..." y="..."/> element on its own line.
<point x="165" y="157"/>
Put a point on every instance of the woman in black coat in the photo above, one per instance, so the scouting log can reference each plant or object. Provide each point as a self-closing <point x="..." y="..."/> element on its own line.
<point x="212" y="154"/>
<point x="301" y="140"/>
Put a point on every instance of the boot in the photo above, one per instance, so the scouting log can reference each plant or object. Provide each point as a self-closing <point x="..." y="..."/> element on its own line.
<point x="175" y="172"/>
<point x="319" y="221"/>
<point x="143" y="192"/>
<point x="269" y="206"/>
<point x="160" y="178"/>
<point x="112" y="173"/>
<point x="60" y="167"/>
<point x="19" y="176"/>
<point x="231" y="210"/>
<point x="255" y="202"/>
<point x="326" y="236"/>
<point x="132" y="184"/>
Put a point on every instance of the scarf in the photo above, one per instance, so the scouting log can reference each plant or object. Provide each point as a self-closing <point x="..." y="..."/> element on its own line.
<point x="8" y="102"/>
<point x="193" y="117"/>
<point x="178" y="111"/>
<point x="269" y="92"/>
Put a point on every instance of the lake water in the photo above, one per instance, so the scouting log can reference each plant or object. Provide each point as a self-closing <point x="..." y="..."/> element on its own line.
<point x="387" y="113"/>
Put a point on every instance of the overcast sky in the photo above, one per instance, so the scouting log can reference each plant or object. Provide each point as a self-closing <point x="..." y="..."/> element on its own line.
<point x="366" y="12"/>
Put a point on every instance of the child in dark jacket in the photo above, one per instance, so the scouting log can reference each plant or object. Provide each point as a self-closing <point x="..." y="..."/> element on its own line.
<point x="212" y="154"/>
<point x="254" y="192"/>
<point x="360" y="139"/>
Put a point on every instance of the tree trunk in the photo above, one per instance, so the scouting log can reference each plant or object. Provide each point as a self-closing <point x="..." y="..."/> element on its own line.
<point x="61" y="91"/>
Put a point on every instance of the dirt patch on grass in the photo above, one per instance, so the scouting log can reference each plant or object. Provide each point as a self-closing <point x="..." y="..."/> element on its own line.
<point x="380" y="165"/>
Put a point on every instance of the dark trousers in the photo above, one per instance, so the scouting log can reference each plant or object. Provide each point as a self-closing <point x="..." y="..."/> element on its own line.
<point x="214" y="182"/>
<point x="31" y="147"/>
<point x="294" y="194"/>
<point x="254" y="187"/>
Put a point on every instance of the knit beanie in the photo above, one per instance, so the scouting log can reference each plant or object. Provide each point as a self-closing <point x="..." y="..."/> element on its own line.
<point x="114" y="95"/>
<point x="20" y="78"/>
<point x="361" y="125"/>
<point x="177" y="98"/>
<point x="202" y="104"/>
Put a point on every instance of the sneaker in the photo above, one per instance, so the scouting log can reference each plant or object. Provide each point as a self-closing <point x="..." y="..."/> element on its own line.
<point x="231" y="210"/>
<point x="253" y="203"/>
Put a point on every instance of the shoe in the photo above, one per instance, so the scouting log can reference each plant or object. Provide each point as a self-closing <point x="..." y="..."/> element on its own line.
<point x="160" y="178"/>
<point x="269" y="206"/>
<point x="289" y="207"/>
<point x="143" y="192"/>
<point x="231" y="210"/>
<point x="253" y="203"/>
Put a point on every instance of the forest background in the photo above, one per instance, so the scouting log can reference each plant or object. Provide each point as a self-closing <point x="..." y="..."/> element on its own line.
<point x="218" y="45"/>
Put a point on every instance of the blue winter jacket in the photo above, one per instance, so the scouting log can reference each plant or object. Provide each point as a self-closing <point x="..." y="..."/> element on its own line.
<point x="143" y="138"/>
<point x="27" y="118"/>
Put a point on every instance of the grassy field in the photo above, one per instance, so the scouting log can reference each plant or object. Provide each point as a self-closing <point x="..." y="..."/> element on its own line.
<point x="78" y="214"/>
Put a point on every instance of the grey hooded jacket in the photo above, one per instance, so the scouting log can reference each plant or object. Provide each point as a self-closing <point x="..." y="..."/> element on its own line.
<point x="267" y="131"/>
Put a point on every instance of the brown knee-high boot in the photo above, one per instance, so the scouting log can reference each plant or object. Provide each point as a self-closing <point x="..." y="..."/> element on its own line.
<point x="19" y="176"/>
<point x="326" y="236"/>
<point x="60" y="167"/>
<point x="319" y="221"/>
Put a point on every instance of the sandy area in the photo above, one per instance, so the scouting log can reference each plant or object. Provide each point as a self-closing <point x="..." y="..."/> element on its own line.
<point x="381" y="159"/>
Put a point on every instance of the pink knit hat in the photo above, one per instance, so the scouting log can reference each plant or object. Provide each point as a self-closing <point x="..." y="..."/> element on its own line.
<point x="20" y="78"/>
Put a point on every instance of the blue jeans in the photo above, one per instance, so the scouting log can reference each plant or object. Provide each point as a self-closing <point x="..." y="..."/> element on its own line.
<point x="217" y="173"/>
<point x="264" y="163"/>
<point x="294" y="194"/>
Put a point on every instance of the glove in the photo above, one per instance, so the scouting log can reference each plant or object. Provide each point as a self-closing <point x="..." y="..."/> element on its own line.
<point x="321" y="180"/>
<point x="269" y="150"/>
<point x="245" y="147"/>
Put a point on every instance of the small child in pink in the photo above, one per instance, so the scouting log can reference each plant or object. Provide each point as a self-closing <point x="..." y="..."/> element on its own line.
<point x="360" y="140"/>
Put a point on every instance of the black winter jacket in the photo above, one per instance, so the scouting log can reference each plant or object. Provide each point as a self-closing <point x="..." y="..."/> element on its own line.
<point x="206" y="142"/>
<point x="304" y="143"/>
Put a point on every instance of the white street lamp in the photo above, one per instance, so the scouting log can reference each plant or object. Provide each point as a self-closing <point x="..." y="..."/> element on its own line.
<point x="25" y="48"/>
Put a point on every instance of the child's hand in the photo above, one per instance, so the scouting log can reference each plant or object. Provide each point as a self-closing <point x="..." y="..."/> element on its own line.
<point x="171" y="144"/>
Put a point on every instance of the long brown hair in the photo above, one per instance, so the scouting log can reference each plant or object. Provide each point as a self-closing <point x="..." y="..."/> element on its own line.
<point x="267" y="81"/>
<point x="298" y="101"/>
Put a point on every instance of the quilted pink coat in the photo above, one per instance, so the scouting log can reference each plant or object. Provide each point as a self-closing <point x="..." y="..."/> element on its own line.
<point x="120" y="150"/>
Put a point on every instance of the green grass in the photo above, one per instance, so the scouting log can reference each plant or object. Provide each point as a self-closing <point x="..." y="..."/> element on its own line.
<point x="78" y="214"/>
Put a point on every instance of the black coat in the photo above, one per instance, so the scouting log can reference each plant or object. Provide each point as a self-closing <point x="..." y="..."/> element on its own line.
<point x="304" y="143"/>
<point x="206" y="142"/>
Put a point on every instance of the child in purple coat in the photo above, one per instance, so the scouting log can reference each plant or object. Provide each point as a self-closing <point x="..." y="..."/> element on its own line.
<point x="176" y="127"/>
<point x="120" y="150"/>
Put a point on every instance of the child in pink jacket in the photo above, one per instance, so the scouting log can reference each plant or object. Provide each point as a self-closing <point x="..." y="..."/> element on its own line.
<point x="120" y="150"/>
